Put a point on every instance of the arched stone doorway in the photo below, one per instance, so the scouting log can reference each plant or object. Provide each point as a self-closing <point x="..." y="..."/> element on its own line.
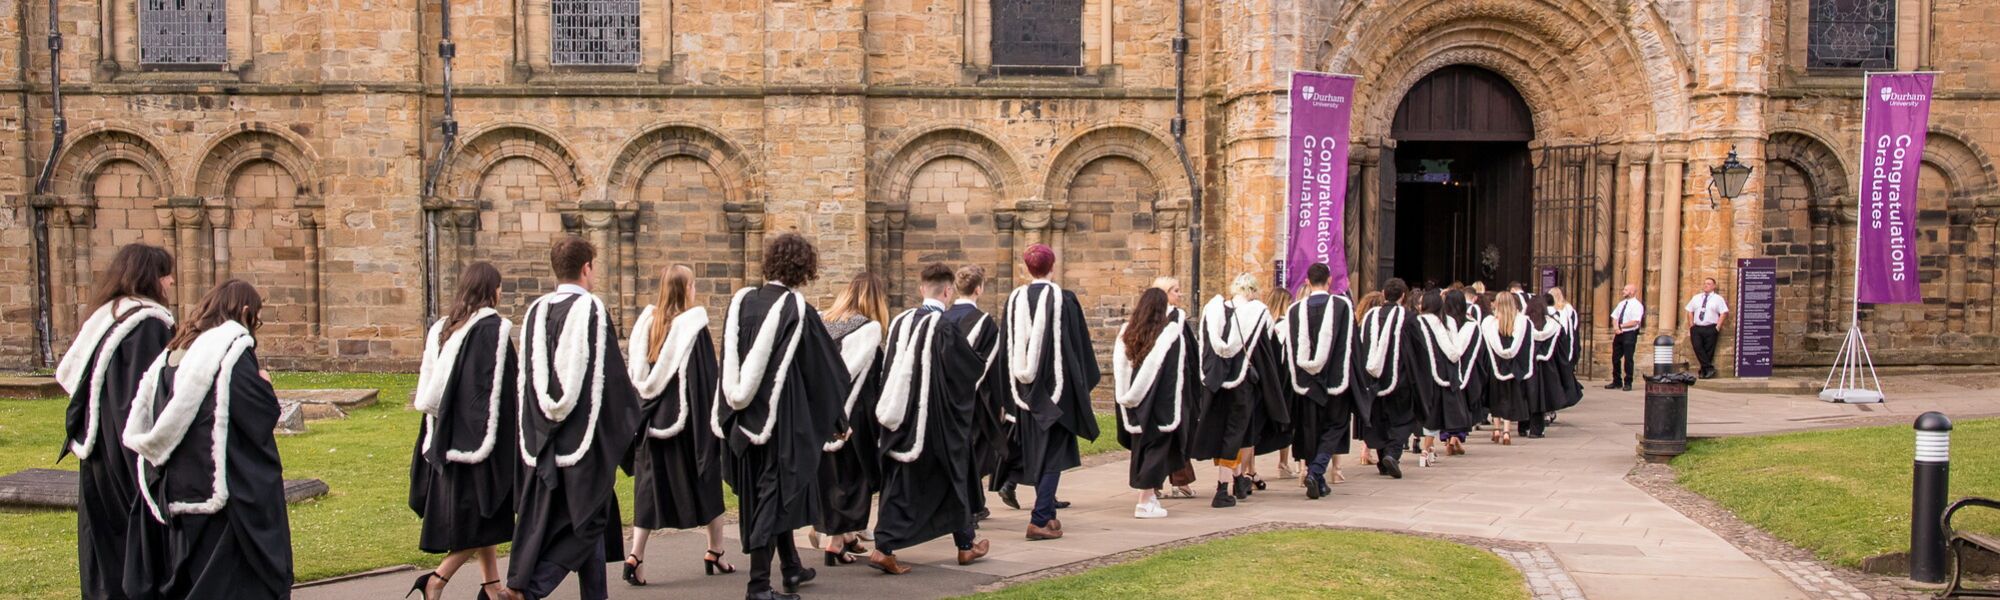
<point x="1457" y="191"/>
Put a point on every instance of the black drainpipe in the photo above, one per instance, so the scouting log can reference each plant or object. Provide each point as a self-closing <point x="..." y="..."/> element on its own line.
<point x="1179" y="129"/>
<point x="448" y="126"/>
<point x="38" y="215"/>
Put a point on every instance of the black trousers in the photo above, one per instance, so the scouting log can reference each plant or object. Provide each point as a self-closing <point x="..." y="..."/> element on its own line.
<point x="1622" y="346"/>
<point x="592" y="582"/>
<point x="1704" y="338"/>
<point x="1536" y="424"/>
<point x="760" y="561"/>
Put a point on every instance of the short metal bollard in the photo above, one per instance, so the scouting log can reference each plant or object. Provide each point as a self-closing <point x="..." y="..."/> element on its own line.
<point x="1666" y="428"/>
<point x="1930" y="486"/>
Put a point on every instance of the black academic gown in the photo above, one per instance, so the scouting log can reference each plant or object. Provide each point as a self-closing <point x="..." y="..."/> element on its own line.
<point x="1160" y="409"/>
<point x="568" y="514"/>
<point x="1550" y="391"/>
<point x="463" y="464"/>
<point x="1507" y="392"/>
<point x="676" y="465"/>
<point x="1476" y="371"/>
<point x="241" y="550"/>
<point x="773" y="443"/>
<point x="106" y="486"/>
<point x="1048" y="421"/>
<point x="1271" y="416"/>
<point x="1440" y="378"/>
<point x="851" y="473"/>
<point x="1238" y="388"/>
<point x="929" y="477"/>
<point x="1564" y="366"/>
<point x="988" y="426"/>
<point x="1398" y="410"/>
<point x="1330" y="398"/>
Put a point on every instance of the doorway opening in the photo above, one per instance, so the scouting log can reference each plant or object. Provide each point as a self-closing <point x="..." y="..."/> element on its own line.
<point x="1458" y="206"/>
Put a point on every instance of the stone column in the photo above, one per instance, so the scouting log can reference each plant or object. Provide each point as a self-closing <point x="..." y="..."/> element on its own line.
<point x="70" y="272"/>
<point x="309" y="209"/>
<point x="598" y="222"/>
<point x="457" y="235"/>
<point x="1006" y="221"/>
<point x="1170" y="222"/>
<point x="191" y="269"/>
<point x="1667" y="303"/>
<point x="746" y="236"/>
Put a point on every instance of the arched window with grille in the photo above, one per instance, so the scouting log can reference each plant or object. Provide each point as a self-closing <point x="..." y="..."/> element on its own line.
<point x="594" y="33"/>
<point x="183" y="33"/>
<point x="1851" y="35"/>
<point x="1038" y="36"/>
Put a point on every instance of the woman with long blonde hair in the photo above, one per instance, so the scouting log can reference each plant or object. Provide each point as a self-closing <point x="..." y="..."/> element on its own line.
<point x="1510" y="357"/>
<point x="677" y="464"/>
<point x="850" y="470"/>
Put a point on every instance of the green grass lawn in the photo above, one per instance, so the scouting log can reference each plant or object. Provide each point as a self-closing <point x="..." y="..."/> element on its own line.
<point x="364" y="523"/>
<point x="1844" y="494"/>
<point x="1295" y="564"/>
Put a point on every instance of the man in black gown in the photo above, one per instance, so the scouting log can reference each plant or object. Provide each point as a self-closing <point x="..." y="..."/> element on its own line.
<point x="783" y="388"/>
<point x="1051" y="371"/>
<point x="926" y="411"/>
<point x="983" y="333"/>
<point x="1320" y="334"/>
<point x="578" y="417"/>
<point x="1388" y="365"/>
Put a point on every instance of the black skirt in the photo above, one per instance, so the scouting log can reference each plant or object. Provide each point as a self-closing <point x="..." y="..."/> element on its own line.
<point x="464" y="505"/>
<point x="846" y="487"/>
<point x="1224" y="428"/>
<point x="672" y="487"/>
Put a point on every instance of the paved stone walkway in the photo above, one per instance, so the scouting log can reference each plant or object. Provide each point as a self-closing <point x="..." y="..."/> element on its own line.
<point x="1609" y="539"/>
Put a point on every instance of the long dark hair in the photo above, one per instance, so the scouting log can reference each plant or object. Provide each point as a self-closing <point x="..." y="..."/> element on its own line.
<point x="233" y="300"/>
<point x="1454" y="306"/>
<point x="1538" y="311"/>
<point x="1433" y="304"/>
<point x="1149" y="316"/>
<point x="478" y="287"/>
<point x="135" y="271"/>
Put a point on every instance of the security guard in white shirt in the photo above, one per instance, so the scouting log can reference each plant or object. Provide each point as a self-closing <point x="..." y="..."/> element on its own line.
<point x="1705" y="313"/>
<point x="1625" y="319"/>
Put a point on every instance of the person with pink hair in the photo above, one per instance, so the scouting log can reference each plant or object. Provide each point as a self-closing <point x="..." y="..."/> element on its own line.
<point x="1051" y="370"/>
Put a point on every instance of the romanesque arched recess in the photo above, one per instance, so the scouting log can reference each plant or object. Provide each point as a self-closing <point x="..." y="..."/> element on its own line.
<point x="684" y="195"/>
<point x="945" y="191"/>
<point x="1956" y="247"/>
<point x="110" y="188"/>
<point x="258" y="207"/>
<point x="1808" y="228"/>
<point x="503" y="199"/>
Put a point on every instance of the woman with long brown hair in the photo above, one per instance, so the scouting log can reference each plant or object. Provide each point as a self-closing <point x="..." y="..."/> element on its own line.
<point x="211" y="514"/>
<point x="127" y="329"/>
<point x="1151" y="372"/>
<point x="676" y="467"/>
<point x="850" y="472"/>
<point x="462" y="469"/>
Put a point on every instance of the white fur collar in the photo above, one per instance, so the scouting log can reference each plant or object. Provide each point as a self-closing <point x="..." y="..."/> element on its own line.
<point x="741" y="377"/>
<point x="1029" y="332"/>
<point x="1489" y="330"/>
<point x="108" y="337"/>
<point x="440" y="368"/>
<point x="1311" y="355"/>
<point x="650" y="380"/>
<point x="1446" y="336"/>
<point x="571" y="358"/>
<point x="1385" y="343"/>
<point x="207" y="365"/>
<point x="911" y="336"/>
<point x="1551" y="327"/>
<point x="1133" y="387"/>
<point x="1214" y="316"/>
<point x="857" y="350"/>
<point x="1469" y="333"/>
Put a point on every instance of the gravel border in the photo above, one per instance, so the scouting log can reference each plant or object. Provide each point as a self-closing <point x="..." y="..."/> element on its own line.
<point x="1817" y="578"/>
<point x="1545" y="577"/>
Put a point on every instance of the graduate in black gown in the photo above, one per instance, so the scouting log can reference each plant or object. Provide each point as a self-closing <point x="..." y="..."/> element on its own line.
<point x="982" y="331"/>
<point x="1546" y="391"/>
<point x="202" y="529"/>
<point x="1471" y="367"/>
<point x="1319" y="335"/>
<point x="1444" y="334"/>
<point x="1389" y="368"/>
<point x="676" y="465"/>
<point x="100" y="371"/>
<point x="579" y="416"/>
<point x="1237" y="373"/>
<point x="1051" y="370"/>
<point x="1510" y="362"/>
<point x="1268" y="434"/>
<point x="783" y="386"/>
<point x="1568" y="348"/>
<point x="1152" y="366"/>
<point x="462" y="466"/>
<point x="929" y="473"/>
<point x="851" y="470"/>
<point x="1183" y="479"/>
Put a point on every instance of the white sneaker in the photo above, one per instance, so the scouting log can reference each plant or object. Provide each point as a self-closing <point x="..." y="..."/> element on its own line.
<point x="1426" y="460"/>
<point x="1150" y="510"/>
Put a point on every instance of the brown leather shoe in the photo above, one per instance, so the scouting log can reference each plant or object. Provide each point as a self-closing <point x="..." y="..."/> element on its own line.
<point x="1055" y="524"/>
<point x="886" y="563"/>
<point x="1042" y="533"/>
<point x="979" y="548"/>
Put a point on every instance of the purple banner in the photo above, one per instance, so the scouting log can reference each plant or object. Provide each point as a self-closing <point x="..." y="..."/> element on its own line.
<point x="1316" y="198"/>
<point x="1756" y="315"/>
<point x="1897" y="114"/>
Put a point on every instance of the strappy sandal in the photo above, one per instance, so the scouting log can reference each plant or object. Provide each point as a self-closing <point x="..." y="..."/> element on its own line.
<point x="713" y="564"/>
<point x="632" y="562"/>
<point x="1179" y="492"/>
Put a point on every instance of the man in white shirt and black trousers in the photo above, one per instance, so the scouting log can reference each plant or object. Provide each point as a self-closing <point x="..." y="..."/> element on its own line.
<point x="1705" y="313"/>
<point x="1625" y="319"/>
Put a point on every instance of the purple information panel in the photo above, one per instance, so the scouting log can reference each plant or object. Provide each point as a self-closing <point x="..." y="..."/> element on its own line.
<point x="1756" y="315"/>
<point x="1550" y="278"/>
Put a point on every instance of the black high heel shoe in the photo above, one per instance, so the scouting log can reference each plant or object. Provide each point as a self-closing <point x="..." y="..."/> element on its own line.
<point x="482" y="589"/>
<point x="835" y="559"/>
<point x="713" y="564"/>
<point x="423" y="584"/>
<point x="632" y="562"/>
<point x="854" y="547"/>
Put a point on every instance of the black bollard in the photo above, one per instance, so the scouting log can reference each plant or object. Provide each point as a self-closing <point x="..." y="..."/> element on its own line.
<point x="1930" y="485"/>
<point x="1665" y="435"/>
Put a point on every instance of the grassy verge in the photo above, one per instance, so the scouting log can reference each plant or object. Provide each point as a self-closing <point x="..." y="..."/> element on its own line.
<point x="1844" y="494"/>
<point x="1295" y="564"/>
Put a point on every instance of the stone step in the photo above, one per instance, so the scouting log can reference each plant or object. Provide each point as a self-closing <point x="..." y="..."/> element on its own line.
<point x="57" y="489"/>
<point x="30" y="386"/>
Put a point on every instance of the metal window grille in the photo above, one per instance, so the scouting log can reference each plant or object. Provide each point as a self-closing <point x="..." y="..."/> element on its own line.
<point x="1567" y="182"/>
<point x="595" y="32"/>
<point x="183" y="32"/>
<point x="1851" y="34"/>
<point x="1038" y="35"/>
